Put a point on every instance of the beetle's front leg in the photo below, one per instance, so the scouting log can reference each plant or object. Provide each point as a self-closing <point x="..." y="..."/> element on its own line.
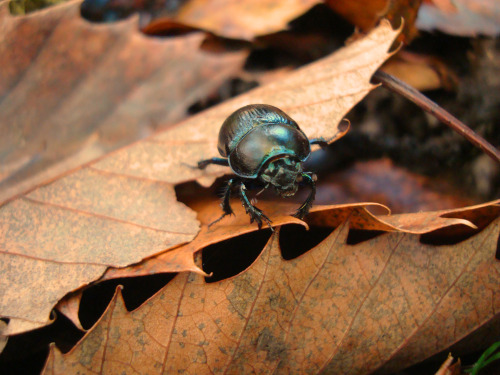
<point x="306" y="206"/>
<point x="255" y="213"/>
<point x="202" y="164"/>
<point x="226" y="207"/>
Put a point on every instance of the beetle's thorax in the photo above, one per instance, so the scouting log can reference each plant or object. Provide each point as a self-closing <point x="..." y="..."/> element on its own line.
<point x="283" y="174"/>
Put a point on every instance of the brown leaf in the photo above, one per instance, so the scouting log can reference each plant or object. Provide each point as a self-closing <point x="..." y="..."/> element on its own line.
<point x="122" y="208"/>
<point x="183" y="258"/>
<point x="359" y="215"/>
<point x="418" y="223"/>
<point x="71" y="230"/>
<point x="71" y="91"/>
<point x="69" y="306"/>
<point x="423" y="222"/>
<point x="238" y="19"/>
<point x="381" y="304"/>
<point x="365" y="14"/>
<point x="461" y="221"/>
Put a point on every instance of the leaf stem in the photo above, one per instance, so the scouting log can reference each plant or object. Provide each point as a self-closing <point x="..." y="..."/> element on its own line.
<point x="394" y="84"/>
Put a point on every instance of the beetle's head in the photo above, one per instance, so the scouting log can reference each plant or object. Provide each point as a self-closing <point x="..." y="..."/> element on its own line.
<point x="283" y="173"/>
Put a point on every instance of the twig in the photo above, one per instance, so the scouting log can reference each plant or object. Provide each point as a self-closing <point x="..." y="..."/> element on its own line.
<point x="401" y="88"/>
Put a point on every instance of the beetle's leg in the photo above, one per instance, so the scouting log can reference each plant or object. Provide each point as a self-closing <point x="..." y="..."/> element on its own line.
<point x="306" y="206"/>
<point x="255" y="213"/>
<point x="202" y="164"/>
<point x="226" y="207"/>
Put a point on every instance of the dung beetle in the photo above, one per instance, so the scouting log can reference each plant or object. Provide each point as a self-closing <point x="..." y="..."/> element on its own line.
<point x="261" y="142"/>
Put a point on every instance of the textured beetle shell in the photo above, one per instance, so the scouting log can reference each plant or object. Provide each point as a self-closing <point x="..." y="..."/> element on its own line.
<point x="254" y="134"/>
<point x="240" y="122"/>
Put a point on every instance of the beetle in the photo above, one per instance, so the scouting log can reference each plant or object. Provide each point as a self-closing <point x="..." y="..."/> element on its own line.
<point x="261" y="142"/>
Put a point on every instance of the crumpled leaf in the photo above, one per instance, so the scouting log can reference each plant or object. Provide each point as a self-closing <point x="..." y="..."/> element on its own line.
<point x="71" y="91"/>
<point x="382" y="304"/>
<point x="122" y="208"/>
<point x="238" y="19"/>
<point x="70" y="306"/>
<point x="182" y="258"/>
<point x="423" y="222"/>
<point x="359" y="215"/>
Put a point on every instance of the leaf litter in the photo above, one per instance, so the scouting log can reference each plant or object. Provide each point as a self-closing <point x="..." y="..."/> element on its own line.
<point x="71" y="91"/>
<point x="241" y="19"/>
<point x="326" y="310"/>
<point x="241" y="342"/>
<point x="122" y="208"/>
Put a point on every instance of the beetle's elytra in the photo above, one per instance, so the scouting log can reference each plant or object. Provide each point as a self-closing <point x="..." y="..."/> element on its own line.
<point x="261" y="142"/>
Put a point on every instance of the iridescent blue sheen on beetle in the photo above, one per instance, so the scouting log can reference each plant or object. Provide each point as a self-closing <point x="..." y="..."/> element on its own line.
<point x="261" y="142"/>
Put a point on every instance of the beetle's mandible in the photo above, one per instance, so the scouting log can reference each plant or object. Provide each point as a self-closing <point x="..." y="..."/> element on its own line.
<point x="261" y="142"/>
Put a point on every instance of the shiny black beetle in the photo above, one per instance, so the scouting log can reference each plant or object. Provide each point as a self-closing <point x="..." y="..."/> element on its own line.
<point x="261" y="142"/>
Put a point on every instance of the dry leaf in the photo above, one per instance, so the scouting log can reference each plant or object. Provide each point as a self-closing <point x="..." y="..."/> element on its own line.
<point x="381" y="304"/>
<point x="122" y="209"/>
<point x="359" y="215"/>
<point x="70" y="306"/>
<point x="457" y="222"/>
<point x="71" y="90"/>
<point x="182" y="258"/>
<point x="365" y="14"/>
<point x="480" y="215"/>
<point x="65" y="234"/>
<point x="238" y="19"/>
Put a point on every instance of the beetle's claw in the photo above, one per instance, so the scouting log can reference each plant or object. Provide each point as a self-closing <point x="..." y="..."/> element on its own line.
<point x="302" y="212"/>
<point x="269" y="223"/>
<point x="299" y="214"/>
<point x="257" y="215"/>
<point x="191" y="166"/>
<point x="227" y="211"/>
